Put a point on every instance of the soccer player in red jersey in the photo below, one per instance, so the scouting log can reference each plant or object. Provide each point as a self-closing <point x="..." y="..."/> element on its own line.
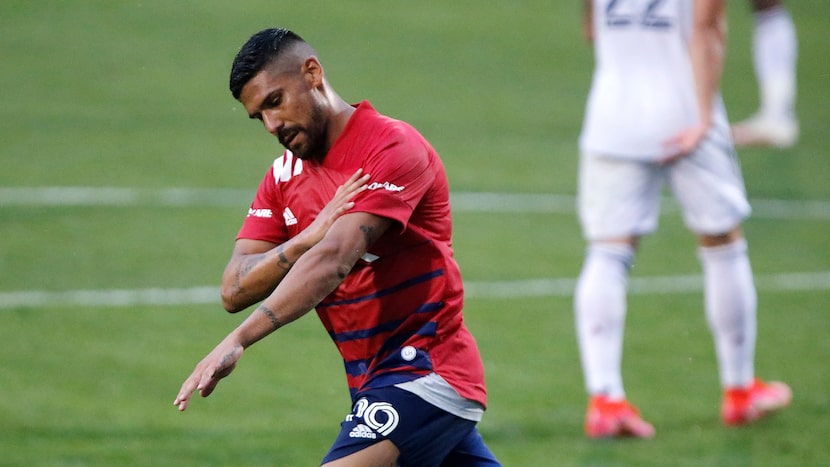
<point x="353" y="220"/>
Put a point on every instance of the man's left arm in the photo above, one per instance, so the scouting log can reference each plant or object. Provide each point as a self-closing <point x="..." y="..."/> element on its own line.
<point x="707" y="48"/>
<point x="315" y="275"/>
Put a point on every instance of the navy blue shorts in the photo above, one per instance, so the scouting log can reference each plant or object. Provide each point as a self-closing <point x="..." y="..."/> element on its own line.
<point x="424" y="434"/>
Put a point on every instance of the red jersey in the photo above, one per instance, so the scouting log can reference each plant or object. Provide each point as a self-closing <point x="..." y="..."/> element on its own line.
<point x="397" y="315"/>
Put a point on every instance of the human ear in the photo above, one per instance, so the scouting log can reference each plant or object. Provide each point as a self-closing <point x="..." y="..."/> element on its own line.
<point x="313" y="72"/>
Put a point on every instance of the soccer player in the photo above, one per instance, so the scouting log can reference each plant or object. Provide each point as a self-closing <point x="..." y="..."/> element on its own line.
<point x="378" y="267"/>
<point x="774" y="52"/>
<point x="654" y="116"/>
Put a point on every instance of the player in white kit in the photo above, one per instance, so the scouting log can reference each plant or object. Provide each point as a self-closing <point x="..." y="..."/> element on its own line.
<point x="774" y="54"/>
<point x="655" y="117"/>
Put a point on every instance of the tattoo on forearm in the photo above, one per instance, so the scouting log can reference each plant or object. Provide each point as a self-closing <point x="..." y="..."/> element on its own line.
<point x="248" y="264"/>
<point x="227" y="358"/>
<point x="275" y="323"/>
<point x="283" y="260"/>
<point x="245" y="267"/>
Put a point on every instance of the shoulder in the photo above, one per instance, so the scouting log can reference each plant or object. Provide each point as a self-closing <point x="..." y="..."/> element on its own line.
<point x="380" y="137"/>
<point x="375" y="124"/>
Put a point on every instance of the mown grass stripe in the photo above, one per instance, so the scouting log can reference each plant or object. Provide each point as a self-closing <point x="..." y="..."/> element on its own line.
<point x="545" y="203"/>
<point x="552" y="287"/>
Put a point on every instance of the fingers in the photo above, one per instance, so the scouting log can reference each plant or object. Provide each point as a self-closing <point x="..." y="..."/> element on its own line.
<point x="684" y="143"/>
<point x="358" y="173"/>
<point x="354" y="185"/>
<point x="202" y="379"/>
<point x="343" y="208"/>
<point x="184" y="393"/>
<point x="207" y="388"/>
<point x="205" y="383"/>
<point x="678" y="147"/>
<point x="215" y="366"/>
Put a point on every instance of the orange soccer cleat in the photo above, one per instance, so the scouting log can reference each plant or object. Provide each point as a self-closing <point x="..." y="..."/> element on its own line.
<point x="745" y="405"/>
<point x="615" y="419"/>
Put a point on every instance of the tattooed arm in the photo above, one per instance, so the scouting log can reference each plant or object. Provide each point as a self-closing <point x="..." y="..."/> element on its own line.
<point x="314" y="275"/>
<point x="318" y="272"/>
<point x="256" y="267"/>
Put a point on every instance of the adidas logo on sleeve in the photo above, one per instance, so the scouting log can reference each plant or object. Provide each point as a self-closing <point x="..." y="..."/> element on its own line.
<point x="362" y="431"/>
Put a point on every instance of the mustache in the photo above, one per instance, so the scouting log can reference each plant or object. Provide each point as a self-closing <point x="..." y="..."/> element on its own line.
<point x="285" y="134"/>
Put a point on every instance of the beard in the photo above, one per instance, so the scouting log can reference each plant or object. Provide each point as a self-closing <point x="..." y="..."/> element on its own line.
<point x="315" y="145"/>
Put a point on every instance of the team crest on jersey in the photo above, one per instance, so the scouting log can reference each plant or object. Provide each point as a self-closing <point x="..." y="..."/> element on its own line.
<point x="379" y="417"/>
<point x="286" y="166"/>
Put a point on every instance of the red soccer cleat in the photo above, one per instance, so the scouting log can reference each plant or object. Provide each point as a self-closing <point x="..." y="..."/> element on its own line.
<point x="615" y="419"/>
<point x="745" y="405"/>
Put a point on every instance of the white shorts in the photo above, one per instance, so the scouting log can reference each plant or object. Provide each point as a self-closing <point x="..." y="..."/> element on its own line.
<point x="621" y="197"/>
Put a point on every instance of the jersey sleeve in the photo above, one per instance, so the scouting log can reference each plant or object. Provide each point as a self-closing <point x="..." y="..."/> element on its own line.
<point x="401" y="174"/>
<point x="264" y="220"/>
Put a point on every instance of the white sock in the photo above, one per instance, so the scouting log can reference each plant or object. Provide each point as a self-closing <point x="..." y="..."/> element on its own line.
<point x="730" y="302"/>
<point x="774" y="47"/>
<point x="600" y="307"/>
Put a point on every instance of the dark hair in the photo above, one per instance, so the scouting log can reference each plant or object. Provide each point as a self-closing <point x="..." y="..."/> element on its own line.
<point x="258" y="52"/>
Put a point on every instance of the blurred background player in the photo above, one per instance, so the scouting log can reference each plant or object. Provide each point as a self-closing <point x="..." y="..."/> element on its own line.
<point x="774" y="53"/>
<point x="654" y="116"/>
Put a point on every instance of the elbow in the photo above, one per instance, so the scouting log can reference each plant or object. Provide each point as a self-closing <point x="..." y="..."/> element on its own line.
<point x="231" y="307"/>
<point x="229" y="299"/>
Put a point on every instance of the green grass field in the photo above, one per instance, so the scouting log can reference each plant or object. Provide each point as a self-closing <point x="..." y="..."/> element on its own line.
<point x="133" y="95"/>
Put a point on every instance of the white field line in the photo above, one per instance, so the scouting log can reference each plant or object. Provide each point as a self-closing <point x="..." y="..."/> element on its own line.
<point x="114" y="196"/>
<point x="209" y="295"/>
<point x="657" y="285"/>
<point x="461" y="201"/>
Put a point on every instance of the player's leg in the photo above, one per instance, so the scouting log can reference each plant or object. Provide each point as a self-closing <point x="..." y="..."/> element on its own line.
<point x="600" y="307"/>
<point x="471" y="452"/>
<point x="382" y="454"/>
<point x="731" y="311"/>
<point x="618" y="202"/>
<point x="710" y="189"/>
<point x="774" y="52"/>
<point x="730" y="304"/>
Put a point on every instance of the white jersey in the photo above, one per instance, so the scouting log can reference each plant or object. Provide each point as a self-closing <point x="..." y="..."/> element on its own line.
<point x="643" y="89"/>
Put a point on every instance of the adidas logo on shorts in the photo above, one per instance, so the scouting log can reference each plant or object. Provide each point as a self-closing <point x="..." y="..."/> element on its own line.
<point x="362" y="431"/>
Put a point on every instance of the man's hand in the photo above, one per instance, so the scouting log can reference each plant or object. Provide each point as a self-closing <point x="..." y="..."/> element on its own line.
<point x="340" y="203"/>
<point x="683" y="143"/>
<point x="256" y="267"/>
<point x="216" y="365"/>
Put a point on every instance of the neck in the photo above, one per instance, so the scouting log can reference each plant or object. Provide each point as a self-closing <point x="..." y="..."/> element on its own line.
<point x="341" y="112"/>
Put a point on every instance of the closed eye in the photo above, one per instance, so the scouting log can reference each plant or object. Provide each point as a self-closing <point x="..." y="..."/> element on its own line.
<point x="270" y="101"/>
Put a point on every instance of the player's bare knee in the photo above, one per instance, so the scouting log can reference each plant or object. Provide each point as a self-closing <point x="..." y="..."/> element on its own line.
<point x="710" y="240"/>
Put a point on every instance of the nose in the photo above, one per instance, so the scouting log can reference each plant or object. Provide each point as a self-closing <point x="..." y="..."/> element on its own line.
<point x="271" y="122"/>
